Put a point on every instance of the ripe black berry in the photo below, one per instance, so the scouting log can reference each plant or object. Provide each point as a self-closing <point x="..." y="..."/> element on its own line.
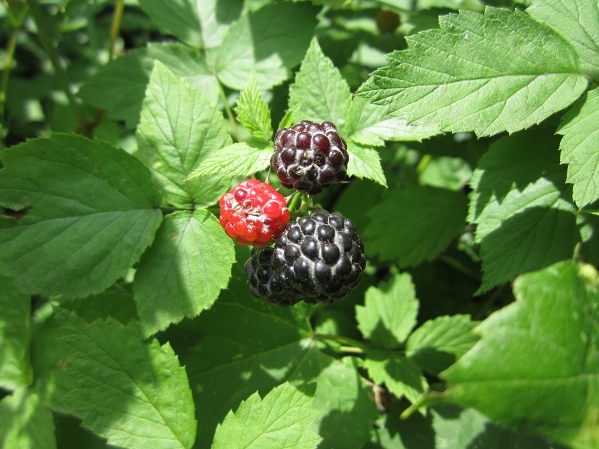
<point x="309" y="156"/>
<point x="319" y="258"/>
<point x="264" y="283"/>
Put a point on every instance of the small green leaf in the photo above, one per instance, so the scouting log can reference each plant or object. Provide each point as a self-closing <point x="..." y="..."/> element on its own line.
<point x="390" y="311"/>
<point x="284" y="415"/>
<point x="577" y="21"/>
<point x="319" y="93"/>
<point x="184" y="270"/>
<point x="401" y="376"/>
<point x="370" y="124"/>
<point x="26" y="422"/>
<point x="365" y="162"/>
<point x="255" y="44"/>
<point x="131" y="392"/>
<point x="114" y="303"/>
<point x="15" y="366"/>
<point x="238" y="159"/>
<point x="120" y="86"/>
<point x="178" y="130"/>
<point x="588" y="224"/>
<point x="523" y="211"/>
<point x="438" y="343"/>
<point x="91" y="212"/>
<point x="414" y="213"/>
<point x="252" y="111"/>
<point x="176" y="17"/>
<point x="549" y="369"/>
<point x="579" y="148"/>
<point x="501" y="71"/>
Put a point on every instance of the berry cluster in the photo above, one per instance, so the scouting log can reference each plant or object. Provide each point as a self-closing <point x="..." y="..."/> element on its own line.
<point x="316" y="259"/>
<point x="309" y="156"/>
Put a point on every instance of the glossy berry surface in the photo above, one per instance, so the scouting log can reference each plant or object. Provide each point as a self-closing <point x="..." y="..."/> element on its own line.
<point x="263" y="281"/>
<point x="309" y="156"/>
<point x="318" y="259"/>
<point x="253" y="213"/>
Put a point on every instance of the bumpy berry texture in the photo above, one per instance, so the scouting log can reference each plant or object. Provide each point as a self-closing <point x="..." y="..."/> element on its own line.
<point x="263" y="281"/>
<point x="309" y="156"/>
<point x="253" y="213"/>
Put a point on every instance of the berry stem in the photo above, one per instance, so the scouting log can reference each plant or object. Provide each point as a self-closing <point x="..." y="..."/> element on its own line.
<point x="306" y="201"/>
<point x="294" y="201"/>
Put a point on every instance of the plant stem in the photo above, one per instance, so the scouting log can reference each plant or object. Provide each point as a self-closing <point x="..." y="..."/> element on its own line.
<point x="294" y="201"/>
<point x="46" y="40"/>
<point x="221" y="92"/>
<point x="346" y="341"/>
<point x="116" y="26"/>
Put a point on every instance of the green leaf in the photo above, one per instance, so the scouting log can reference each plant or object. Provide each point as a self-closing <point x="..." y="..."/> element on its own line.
<point x="176" y="17"/>
<point x="238" y="159"/>
<point x="131" y="392"/>
<point x="588" y="224"/>
<point x="91" y="212"/>
<point x="438" y="343"/>
<point x="524" y="215"/>
<point x="120" y="86"/>
<point x="390" y="311"/>
<point x="578" y="22"/>
<point x="579" y="148"/>
<point x="414" y="213"/>
<point x="319" y="93"/>
<point x="501" y="71"/>
<point x="114" y="303"/>
<point x="345" y="401"/>
<point x="26" y="422"/>
<point x="178" y="130"/>
<point x="184" y="270"/>
<point x="447" y="426"/>
<point x="252" y="111"/>
<point x="284" y="415"/>
<point x="370" y="124"/>
<point x="15" y="366"/>
<point x="241" y="345"/>
<point x="365" y="163"/>
<point x="255" y="43"/>
<point x="546" y="379"/>
<point x="401" y="376"/>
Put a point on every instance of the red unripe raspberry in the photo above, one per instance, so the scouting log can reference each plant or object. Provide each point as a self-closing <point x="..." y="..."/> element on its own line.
<point x="253" y="213"/>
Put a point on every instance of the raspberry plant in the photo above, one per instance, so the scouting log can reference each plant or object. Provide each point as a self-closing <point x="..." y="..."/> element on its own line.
<point x="128" y="318"/>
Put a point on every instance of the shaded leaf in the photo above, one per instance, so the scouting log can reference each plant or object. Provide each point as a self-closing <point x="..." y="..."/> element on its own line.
<point x="390" y="311"/>
<point x="184" y="270"/>
<point x="115" y="374"/>
<point x="91" y="212"/>
<point x="501" y="71"/>
<point x="15" y="366"/>
<point x="438" y="343"/>
<point x="414" y="213"/>
<point x="524" y="215"/>
<point x="254" y="44"/>
<point x="401" y="376"/>
<point x="26" y="422"/>
<point x="176" y="17"/>
<point x="120" y="86"/>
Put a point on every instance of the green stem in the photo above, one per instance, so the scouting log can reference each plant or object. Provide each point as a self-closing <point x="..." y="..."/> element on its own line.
<point x="294" y="201"/>
<point x="221" y="92"/>
<point x="116" y="26"/>
<point x="344" y="341"/>
<point x="44" y="34"/>
<point x="306" y="201"/>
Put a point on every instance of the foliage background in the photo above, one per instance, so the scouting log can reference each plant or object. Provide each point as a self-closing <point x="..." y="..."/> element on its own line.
<point x="126" y="315"/>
